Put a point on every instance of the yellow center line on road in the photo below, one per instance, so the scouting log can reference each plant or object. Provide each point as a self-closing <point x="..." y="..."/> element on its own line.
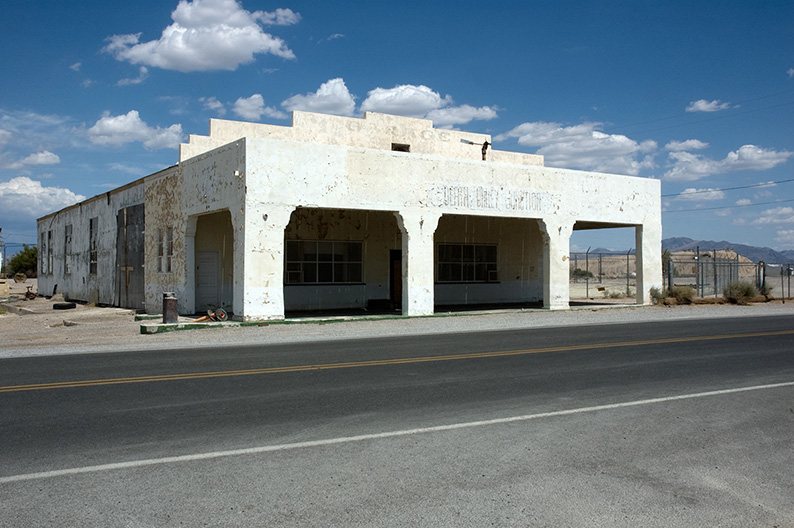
<point x="378" y="362"/>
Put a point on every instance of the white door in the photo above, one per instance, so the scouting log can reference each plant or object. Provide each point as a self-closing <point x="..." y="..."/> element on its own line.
<point x="207" y="280"/>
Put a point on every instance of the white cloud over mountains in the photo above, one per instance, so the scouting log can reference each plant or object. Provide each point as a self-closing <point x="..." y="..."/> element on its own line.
<point x="777" y="215"/>
<point x="127" y="128"/>
<point x="584" y="146"/>
<point x="206" y="35"/>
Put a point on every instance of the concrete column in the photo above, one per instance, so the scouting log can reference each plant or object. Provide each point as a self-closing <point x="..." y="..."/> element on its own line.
<point x="187" y="299"/>
<point x="649" y="261"/>
<point x="259" y="260"/>
<point x="418" y="228"/>
<point x="556" y="262"/>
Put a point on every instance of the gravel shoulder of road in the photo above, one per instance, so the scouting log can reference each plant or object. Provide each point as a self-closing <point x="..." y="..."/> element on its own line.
<point x="33" y="328"/>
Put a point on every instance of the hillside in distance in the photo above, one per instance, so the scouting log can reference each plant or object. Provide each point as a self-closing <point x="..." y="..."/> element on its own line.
<point x="753" y="253"/>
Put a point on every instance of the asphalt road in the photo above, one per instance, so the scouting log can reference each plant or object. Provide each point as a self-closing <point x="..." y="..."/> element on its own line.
<point x="654" y="424"/>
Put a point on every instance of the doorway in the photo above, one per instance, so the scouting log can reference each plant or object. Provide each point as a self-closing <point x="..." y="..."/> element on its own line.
<point x="396" y="278"/>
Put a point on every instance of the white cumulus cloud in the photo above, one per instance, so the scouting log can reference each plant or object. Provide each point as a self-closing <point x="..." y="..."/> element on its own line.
<point x="128" y="128"/>
<point x="212" y="103"/>
<point x="206" y="35"/>
<point x="460" y="115"/>
<point x="41" y="158"/>
<point x="689" y="144"/>
<point x="584" y="147"/>
<point x="24" y="197"/>
<point x="785" y="236"/>
<point x="143" y="73"/>
<point x="686" y="166"/>
<point x="405" y="100"/>
<point x="253" y="108"/>
<point x="701" y="195"/>
<point x="422" y="102"/>
<point x="707" y="106"/>
<point x="332" y="97"/>
<point x="777" y="215"/>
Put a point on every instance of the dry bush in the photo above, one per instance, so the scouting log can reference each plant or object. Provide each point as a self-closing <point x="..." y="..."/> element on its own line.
<point x="683" y="294"/>
<point x="740" y="292"/>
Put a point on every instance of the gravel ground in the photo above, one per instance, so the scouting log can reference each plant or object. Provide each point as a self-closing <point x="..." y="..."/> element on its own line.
<point x="38" y="329"/>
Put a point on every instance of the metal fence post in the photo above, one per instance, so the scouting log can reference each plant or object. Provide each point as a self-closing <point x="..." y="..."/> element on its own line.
<point x="587" y="271"/>
<point x="600" y="268"/>
<point x="628" y="273"/>
<point x="670" y="270"/>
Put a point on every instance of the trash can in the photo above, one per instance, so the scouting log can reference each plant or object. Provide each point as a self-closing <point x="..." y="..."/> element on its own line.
<point x="170" y="312"/>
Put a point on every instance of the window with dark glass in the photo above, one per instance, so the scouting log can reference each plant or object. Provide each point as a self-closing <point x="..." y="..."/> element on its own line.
<point x="50" y="258"/>
<point x="93" y="245"/>
<point x="67" y="250"/>
<point x="467" y="263"/>
<point x="43" y="253"/>
<point x="323" y="262"/>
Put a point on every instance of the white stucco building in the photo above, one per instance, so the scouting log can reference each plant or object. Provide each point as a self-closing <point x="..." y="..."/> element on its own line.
<point x="335" y="212"/>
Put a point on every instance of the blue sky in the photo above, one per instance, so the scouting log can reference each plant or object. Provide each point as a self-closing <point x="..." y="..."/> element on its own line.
<point x="699" y="94"/>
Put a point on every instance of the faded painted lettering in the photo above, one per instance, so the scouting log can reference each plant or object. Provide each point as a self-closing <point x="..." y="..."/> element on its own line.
<point x="500" y="199"/>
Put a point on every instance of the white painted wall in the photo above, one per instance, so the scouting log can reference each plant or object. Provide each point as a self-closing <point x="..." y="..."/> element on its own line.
<point x="79" y="284"/>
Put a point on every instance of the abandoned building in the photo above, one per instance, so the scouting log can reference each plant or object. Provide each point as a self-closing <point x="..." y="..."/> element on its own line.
<point x="339" y="213"/>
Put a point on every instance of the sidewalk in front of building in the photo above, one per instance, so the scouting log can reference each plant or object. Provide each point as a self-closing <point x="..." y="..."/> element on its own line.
<point x="31" y="328"/>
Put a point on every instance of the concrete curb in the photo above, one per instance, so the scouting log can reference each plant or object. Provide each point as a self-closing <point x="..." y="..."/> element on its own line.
<point x="151" y="327"/>
<point x="17" y="309"/>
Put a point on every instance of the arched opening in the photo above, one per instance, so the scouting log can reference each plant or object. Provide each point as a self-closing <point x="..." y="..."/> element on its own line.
<point x="342" y="260"/>
<point x="486" y="261"/>
<point x="214" y="262"/>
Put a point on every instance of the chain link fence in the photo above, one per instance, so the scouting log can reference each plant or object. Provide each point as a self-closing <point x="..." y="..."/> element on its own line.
<point x="613" y="275"/>
<point x="709" y="275"/>
<point x="777" y="279"/>
<point x="603" y="276"/>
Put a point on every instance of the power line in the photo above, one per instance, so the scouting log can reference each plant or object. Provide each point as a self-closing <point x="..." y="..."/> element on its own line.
<point x="681" y="116"/>
<point x="727" y="188"/>
<point x="728" y="206"/>
<point x="717" y="118"/>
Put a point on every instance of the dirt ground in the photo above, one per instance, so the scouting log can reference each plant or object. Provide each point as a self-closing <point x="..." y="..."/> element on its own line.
<point x="28" y="323"/>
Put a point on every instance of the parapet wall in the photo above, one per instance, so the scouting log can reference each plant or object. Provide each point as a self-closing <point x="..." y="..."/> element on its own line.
<point x="374" y="131"/>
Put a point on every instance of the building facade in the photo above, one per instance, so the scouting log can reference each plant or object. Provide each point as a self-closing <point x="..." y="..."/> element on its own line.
<point x="336" y="212"/>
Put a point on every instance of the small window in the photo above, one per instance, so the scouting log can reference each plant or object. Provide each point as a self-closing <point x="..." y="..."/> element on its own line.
<point x="467" y="263"/>
<point x="67" y="250"/>
<point x="400" y="147"/>
<point x="323" y="262"/>
<point x="165" y="249"/>
<point x="43" y="254"/>
<point x="49" y="253"/>
<point x="93" y="245"/>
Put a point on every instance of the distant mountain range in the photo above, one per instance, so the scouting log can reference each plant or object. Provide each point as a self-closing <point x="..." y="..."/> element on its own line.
<point x="756" y="254"/>
<point x="753" y="253"/>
